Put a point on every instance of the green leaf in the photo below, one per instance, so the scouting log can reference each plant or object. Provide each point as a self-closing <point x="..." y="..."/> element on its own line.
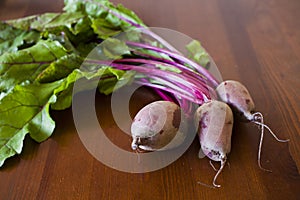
<point x="129" y="14"/>
<point x="96" y="9"/>
<point x="23" y="23"/>
<point x="64" y="98"/>
<point x="85" y="48"/>
<point x="41" y="56"/>
<point x="60" y="68"/>
<point x="108" y="80"/>
<point x="25" y="110"/>
<point x="75" y="26"/>
<point x="65" y="91"/>
<point x="12" y="39"/>
<point x="103" y="28"/>
<point x="120" y="78"/>
<point x="27" y="64"/>
<point x="198" y="53"/>
<point x="99" y="9"/>
<point x="53" y="22"/>
<point x="114" y="49"/>
<point x="110" y="49"/>
<point x="73" y="5"/>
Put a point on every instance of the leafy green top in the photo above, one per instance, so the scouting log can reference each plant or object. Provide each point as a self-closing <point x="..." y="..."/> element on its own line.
<point x="40" y="59"/>
<point x="40" y="56"/>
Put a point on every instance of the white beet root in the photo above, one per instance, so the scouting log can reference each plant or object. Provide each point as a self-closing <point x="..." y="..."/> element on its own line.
<point x="238" y="97"/>
<point x="215" y="120"/>
<point x="156" y="127"/>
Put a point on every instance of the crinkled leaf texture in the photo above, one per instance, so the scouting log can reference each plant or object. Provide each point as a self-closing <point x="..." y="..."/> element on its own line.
<point x="53" y="22"/>
<point x="107" y="19"/>
<point x="25" y="109"/>
<point x="71" y="29"/>
<point x="27" y="64"/>
<point x="39" y="60"/>
<point x="12" y="39"/>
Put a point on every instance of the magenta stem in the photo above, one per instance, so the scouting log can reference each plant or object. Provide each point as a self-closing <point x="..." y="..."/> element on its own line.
<point x="214" y="82"/>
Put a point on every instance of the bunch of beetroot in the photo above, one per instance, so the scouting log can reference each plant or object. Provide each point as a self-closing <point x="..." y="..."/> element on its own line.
<point x="152" y="128"/>
<point x="184" y="85"/>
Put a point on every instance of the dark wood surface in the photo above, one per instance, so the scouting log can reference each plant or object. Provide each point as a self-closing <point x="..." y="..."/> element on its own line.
<point x="254" y="41"/>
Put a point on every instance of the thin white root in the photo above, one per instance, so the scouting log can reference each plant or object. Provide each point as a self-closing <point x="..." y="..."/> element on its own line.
<point x="259" y="120"/>
<point x="204" y="184"/>
<point x="217" y="174"/>
<point x="212" y="165"/>
<point x="259" y="116"/>
<point x="273" y="134"/>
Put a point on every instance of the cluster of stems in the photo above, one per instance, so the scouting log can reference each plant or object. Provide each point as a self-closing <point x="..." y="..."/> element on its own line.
<point x="178" y="77"/>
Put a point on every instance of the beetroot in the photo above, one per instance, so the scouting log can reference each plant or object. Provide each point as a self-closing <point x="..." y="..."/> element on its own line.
<point x="156" y="127"/>
<point x="237" y="96"/>
<point x="215" y="129"/>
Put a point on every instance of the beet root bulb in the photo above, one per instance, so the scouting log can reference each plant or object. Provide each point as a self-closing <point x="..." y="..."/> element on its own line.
<point x="156" y="127"/>
<point x="214" y="130"/>
<point x="239" y="99"/>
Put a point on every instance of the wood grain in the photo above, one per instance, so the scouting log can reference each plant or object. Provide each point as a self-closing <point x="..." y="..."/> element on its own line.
<point x="256" y="42"/>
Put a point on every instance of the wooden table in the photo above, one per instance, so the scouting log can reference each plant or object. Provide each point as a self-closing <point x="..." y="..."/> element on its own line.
<point x="254" y="41"/>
